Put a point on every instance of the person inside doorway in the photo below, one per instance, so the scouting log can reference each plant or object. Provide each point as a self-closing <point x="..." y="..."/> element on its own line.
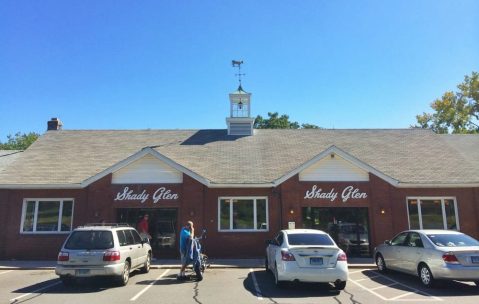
<point x="186" y="235"/>
<point x="143" y="227"/>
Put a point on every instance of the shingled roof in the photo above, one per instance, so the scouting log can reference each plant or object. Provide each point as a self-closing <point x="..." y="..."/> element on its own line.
<point x="7" y="157"/>
<point x="408" y="156"/>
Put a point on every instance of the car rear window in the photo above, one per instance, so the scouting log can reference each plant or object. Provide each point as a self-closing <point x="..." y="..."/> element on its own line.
<point x="89" y="240"/>
<point x="309" y="239"/>
<point x="452" y="240"/>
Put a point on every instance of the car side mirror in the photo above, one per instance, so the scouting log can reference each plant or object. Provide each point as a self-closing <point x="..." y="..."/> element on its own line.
<point x="387" y="242"/>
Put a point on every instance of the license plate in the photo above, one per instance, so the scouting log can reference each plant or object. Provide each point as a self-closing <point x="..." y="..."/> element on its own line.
<point x="316" y="261"/>
<point x="82" y="272"/>
<point x="475" y="259"/>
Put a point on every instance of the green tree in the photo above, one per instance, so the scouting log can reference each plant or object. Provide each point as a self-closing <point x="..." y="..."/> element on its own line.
<point x="19" y="141"/>
<point x="275" y="121"/>
<point x="455" y="112"/>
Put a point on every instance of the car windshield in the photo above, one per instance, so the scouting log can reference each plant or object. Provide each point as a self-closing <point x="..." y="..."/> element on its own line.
<point x="309" y="239"/>
<point x="89" y="240"/>
<point x="452" y="240"/>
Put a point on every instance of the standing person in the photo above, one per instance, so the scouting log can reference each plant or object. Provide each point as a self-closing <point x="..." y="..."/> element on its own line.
<point x="187" y="234"/>
<point x="143" y="227"/>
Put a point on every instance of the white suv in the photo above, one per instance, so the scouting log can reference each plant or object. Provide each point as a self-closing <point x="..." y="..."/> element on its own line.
<point x="103" y="250"/>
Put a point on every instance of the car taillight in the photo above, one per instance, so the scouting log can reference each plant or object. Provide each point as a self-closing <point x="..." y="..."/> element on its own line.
<point x="63" y="256"/>
<point x="287" y="256"/>
<point x="111" y="256"/>
<point x="450" y="258"/>
<point x="342" y="256"/>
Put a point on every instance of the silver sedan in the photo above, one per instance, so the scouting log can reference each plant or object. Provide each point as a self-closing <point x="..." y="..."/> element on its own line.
<point x="432" y="255"/>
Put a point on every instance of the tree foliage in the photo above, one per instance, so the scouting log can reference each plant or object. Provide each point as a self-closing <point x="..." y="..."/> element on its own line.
<point x="19" y="141"/>
<point x="455" y="112"/>
<point x="275" y="121"/>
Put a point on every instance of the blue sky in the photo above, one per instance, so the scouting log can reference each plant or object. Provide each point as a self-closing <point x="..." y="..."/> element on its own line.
<point x="167" y="64"/>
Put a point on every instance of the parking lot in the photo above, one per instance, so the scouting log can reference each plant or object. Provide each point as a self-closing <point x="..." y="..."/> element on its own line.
<point x="235" y="285"/>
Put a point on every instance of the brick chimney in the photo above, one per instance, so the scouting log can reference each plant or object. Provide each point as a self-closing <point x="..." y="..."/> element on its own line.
<point x="54" y="124"/>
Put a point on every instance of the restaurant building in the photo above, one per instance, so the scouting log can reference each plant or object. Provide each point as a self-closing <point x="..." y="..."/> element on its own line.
<point x="243" y="185"/>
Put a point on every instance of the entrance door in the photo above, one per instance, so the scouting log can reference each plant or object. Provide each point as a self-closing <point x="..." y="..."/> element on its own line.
<point x="349" y="227"/>
<point x="162" y="224"/>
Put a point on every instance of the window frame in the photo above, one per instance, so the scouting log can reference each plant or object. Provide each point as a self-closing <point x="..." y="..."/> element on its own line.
<point x="35" y="215"/>
<point x="443" y="209"/>
<point x="255" y="213"/>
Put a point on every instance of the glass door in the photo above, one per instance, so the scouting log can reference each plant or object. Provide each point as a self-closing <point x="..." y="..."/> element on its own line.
<point x="349" y="227"/>
<point x="162" y="227"/>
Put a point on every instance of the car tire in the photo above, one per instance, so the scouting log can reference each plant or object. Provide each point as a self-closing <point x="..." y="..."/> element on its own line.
<point x="340" y="286"/>
<point x="67" y="280"/>
<point x="381" y="264"/>
<point x="425" y="275"/>
<point x="277" y="282"/>
<point x="125" y="274"/>
<point x="147" y="266"/>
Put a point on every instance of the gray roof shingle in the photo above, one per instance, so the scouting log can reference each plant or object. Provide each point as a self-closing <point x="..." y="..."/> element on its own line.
<point x="414" y="156"/>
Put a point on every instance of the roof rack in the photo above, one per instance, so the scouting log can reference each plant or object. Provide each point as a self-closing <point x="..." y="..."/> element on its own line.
<point x="104" y="225"/>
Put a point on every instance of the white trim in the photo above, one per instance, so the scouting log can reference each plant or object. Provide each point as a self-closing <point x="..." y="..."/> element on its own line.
<point x="335" y="150"/>
<point x="140" y="154"/>
<point x="35" y="215"/>
<point x="413" y="185"/>
<point x="41" y="186"/>
<point x="255" y="220"/>
<point x="443" y="209"/>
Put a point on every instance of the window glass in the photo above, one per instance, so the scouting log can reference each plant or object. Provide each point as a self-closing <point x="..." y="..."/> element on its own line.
<point x="413" y="214"/>
<point x="47" y="219"/>
<point x="67" y="216"/>
<point x="29" y="216"/>
<point x="136" y="237"/>
<point x="450" y="214"/>
<point x="121" y="237"/>
<point x="90" y="240"/>
<point x="261" y="221"/>
<point x="224" y="214"/>
<point x="415" y="240"/>
<point x="243" y="214"/>
<point x="399" y="240"/>
<point x="431" y="212"/>
<point x="130" y="240"/>
<point x="309" y="239"/>
<point x="452" y="240"/>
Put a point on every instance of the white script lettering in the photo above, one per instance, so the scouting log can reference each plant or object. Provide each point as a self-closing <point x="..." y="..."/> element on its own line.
<point x="160" y="194"/>
<point x="348" y="193"/>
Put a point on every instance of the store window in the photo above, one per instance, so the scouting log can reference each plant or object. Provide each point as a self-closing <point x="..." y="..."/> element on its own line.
<point x="432" y="213"/>
<point x="243" y="214"/>
<point x="47" y="216"/>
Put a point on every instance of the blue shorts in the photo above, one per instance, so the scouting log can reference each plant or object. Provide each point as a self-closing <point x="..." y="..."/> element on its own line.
<point x="183" y="259"/>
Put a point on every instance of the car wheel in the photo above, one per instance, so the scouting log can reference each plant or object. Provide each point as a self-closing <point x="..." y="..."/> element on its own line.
<point x="146" y="268"/>
<point x="340" y="286"/>
<point x="277" y="282"/>
<point x="380" y="263"/>
<point x="425" y="275"/>
<point x="67" y="280"/>
<point x="125" y="275"/>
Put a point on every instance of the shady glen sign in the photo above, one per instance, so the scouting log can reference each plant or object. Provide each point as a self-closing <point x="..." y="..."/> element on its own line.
<point x="160" y="194"/>
<point x="349" y="192"/>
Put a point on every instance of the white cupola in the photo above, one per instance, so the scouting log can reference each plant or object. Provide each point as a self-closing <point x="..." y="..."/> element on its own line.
<point x="240" y="121"/>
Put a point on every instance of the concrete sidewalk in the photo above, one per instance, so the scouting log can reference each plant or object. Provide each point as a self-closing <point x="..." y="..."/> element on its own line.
<point x="174" y="264"/>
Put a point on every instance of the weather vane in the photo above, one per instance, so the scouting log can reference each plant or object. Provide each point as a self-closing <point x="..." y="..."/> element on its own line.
<point x="238" y="63"/>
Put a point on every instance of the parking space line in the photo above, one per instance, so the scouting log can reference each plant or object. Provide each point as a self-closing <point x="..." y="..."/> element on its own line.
<point x="3" y="272"/>
<point x="149" y="286"/>
<point x="366" y="278"/>
<point x="256" y="286"/>
<point x="383" y="286"/>
<point x="397" y="298"/>
<point x="35" y="291"/>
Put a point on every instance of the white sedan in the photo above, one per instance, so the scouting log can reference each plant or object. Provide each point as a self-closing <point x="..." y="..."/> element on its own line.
<point x="306" y="255"/>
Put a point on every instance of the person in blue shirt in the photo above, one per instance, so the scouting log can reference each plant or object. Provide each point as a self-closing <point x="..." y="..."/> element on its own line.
<point x="187" y="234"/>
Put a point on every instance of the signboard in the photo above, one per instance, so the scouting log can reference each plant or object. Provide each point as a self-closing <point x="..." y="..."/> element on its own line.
<point x="348" y="192"/>
<point x="160" y="194"/>
<point x="291" y="225"/>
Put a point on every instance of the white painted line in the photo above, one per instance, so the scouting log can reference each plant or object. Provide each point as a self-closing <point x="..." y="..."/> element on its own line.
<point x="149" y="286"/>
<point x="402" y="296"/>
<point x="367" y="289"/>
<point x="6" y="271"/>
<point x="359" y="280"/>
<point x="383" y="286"/>
<point x="256" y="286"/>
<point x="35" y="291"/>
